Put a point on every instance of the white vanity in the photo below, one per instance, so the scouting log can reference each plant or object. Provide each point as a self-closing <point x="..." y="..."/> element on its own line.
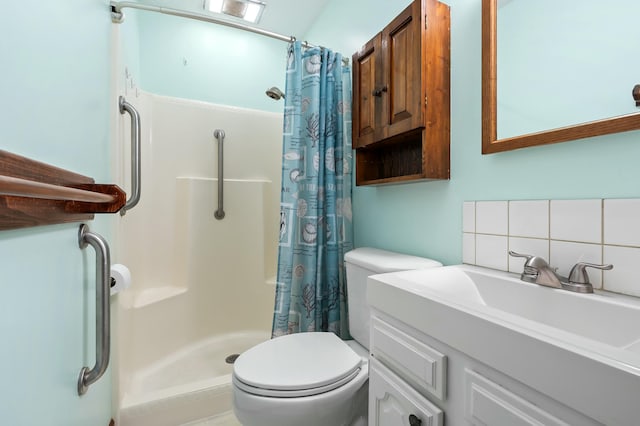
<point x="464" y="345"/>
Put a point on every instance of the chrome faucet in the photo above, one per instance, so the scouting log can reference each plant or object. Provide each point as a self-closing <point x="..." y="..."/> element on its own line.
<point x="537" y="270"/>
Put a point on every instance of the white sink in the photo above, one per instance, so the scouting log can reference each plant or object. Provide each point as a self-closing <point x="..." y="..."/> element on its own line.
<point x="605" y="318"/>
<point x="561" y="343"/>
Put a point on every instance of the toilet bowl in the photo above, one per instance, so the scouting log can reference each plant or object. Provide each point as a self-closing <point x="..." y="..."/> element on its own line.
<point x="317" y="379"/>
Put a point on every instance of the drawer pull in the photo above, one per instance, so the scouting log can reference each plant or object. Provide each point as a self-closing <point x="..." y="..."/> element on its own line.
<point x="414" y="421"/>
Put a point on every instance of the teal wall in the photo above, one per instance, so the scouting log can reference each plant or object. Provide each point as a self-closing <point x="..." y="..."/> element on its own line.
<point x="426" y="218"/>
<point x="55" y="109"/>
<point x="224" y="66"/>
<point x="207" y="62"/>
<point x="127" y="51"/>
<point x="558" y="56"/>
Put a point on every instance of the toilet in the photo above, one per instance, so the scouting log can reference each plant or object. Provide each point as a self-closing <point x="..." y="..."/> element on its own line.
<point x="317" y="379"/>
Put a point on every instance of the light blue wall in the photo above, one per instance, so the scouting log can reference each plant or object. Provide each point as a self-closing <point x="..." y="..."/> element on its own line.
<point x="558" y="57"/>
<point x="128" y="49"/>
<point x="420" y="218"/>
<point x="55" y="109"/>
<point x="426" y="218"/>
<point x="202" y="61"/>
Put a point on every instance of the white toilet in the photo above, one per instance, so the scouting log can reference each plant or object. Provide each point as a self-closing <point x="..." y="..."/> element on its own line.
<point x="317" y="379"/>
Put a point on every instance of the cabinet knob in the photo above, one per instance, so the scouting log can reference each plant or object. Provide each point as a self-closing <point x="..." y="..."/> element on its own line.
<point x="379" y="92"/>
<point x="414" y="420"/>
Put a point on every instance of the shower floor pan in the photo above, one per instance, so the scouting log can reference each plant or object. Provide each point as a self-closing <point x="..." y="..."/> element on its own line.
<point x="191" y="384"/>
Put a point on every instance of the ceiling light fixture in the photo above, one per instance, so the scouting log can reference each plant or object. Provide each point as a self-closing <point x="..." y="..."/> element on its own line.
<point x="247" y="10"/>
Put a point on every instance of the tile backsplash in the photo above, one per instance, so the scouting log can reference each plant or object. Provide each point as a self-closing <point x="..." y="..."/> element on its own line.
<point x="563" y="232"/>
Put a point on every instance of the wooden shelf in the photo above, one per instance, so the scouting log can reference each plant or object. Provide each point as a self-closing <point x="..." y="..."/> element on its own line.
<point x="405" y="158"/>
<point x="35" y="194"/>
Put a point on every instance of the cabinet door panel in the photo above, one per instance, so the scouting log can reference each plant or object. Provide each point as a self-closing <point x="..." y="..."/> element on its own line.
<point x="419" y="364"/>
<point x="488" y="403"/>
<point x="399" y="54"/>
<point x="403" y="110"/>
<point x="366" y="106"/>
<point x="392" y="402"/>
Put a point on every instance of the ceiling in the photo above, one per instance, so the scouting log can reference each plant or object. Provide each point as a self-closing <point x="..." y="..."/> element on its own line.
<point x="286" y="17"/>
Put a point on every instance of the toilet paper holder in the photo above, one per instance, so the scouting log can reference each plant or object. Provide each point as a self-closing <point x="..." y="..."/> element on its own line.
<point x="120" y="278"/>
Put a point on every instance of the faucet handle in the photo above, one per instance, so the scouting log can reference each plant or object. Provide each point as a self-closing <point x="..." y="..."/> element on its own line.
<point x="514" y="254"/>
<point x="532" y="266"/>
<point x="532" y="261"/>
<point x="578" y="274"/>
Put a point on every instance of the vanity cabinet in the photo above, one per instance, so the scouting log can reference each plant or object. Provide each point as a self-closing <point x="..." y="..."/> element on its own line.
<point x="415" y="379"/>
<point x="401" y="98"/>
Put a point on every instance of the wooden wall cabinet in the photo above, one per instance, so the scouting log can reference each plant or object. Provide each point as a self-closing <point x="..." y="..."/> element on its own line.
<point x="401" y="98"/>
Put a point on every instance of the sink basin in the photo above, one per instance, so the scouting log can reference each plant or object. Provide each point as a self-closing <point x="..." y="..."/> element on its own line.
<point x="606" y="318"/>
<point x="582" y="350"/>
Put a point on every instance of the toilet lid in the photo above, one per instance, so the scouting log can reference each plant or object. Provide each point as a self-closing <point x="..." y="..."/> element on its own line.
<point x="297" y="363"/>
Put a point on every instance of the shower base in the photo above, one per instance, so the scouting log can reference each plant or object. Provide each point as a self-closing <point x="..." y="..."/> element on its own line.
<point x="189" y="385"/>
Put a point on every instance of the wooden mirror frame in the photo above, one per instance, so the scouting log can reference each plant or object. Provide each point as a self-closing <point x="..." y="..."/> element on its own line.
<point x="490" y="141"/>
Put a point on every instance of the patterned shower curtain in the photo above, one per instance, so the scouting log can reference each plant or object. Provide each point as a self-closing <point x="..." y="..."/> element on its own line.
<point x="315" y="209"/>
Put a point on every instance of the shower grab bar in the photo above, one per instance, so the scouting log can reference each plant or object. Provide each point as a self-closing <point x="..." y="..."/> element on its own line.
<point x="219" y="134"/>
<point x="136" y="172"/>
<point x="103" y="315"/>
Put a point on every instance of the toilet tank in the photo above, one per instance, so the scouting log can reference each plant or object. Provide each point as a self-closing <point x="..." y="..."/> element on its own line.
<point x="365" y="261"/>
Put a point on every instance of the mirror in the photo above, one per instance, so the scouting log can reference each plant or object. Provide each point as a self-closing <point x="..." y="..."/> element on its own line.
<point x="570" y="92"/>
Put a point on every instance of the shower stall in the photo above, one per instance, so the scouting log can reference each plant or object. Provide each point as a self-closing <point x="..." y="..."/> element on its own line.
<point x="203" y="277"/>
<point x="202" y="288"/>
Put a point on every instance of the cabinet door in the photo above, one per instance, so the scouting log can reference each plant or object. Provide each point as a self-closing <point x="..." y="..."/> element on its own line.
<point x="404" y="98"/>
<point x="367" y="107"/>
<point x="488" y="403"/>
<point x="392" y="402"/>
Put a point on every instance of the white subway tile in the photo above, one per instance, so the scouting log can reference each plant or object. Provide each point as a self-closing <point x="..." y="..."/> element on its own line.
<point x="469" y="216"/>
<point x="576" y="220"/>
<point x="492" y="217"/>
<point x="491" y="251"/>
<point x="529" y="219"/>
<point x="564" y="255"/>
<point x="622" y="222"/>
<point x="623" y="278"/>
<point x="531" y="246"/>
<point x="469" y="248"/>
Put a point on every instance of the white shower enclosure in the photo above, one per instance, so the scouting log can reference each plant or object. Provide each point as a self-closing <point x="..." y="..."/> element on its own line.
<point x="202" y="288"/>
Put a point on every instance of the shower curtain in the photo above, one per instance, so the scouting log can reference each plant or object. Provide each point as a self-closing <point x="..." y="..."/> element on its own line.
<point x="315" y="210"/>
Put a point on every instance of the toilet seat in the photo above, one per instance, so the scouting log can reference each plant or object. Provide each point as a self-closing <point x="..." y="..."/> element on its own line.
<point x="296" y="365"/>
<point x="295" y="393"/>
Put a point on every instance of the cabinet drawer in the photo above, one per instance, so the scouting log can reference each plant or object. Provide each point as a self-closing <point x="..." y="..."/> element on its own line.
<point x="394" y="403"/>
<point x="488" y="403"/>
<point x="419" y="364"/>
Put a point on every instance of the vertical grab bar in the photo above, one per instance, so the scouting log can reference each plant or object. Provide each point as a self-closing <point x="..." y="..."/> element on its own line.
<point x="219" y="134"/>
<point x="103" y="314"/>
<point x="135" y="154"/>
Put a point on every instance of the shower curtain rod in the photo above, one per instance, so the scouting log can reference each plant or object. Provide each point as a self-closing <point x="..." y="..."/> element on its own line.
<point x="117" y="16"/>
